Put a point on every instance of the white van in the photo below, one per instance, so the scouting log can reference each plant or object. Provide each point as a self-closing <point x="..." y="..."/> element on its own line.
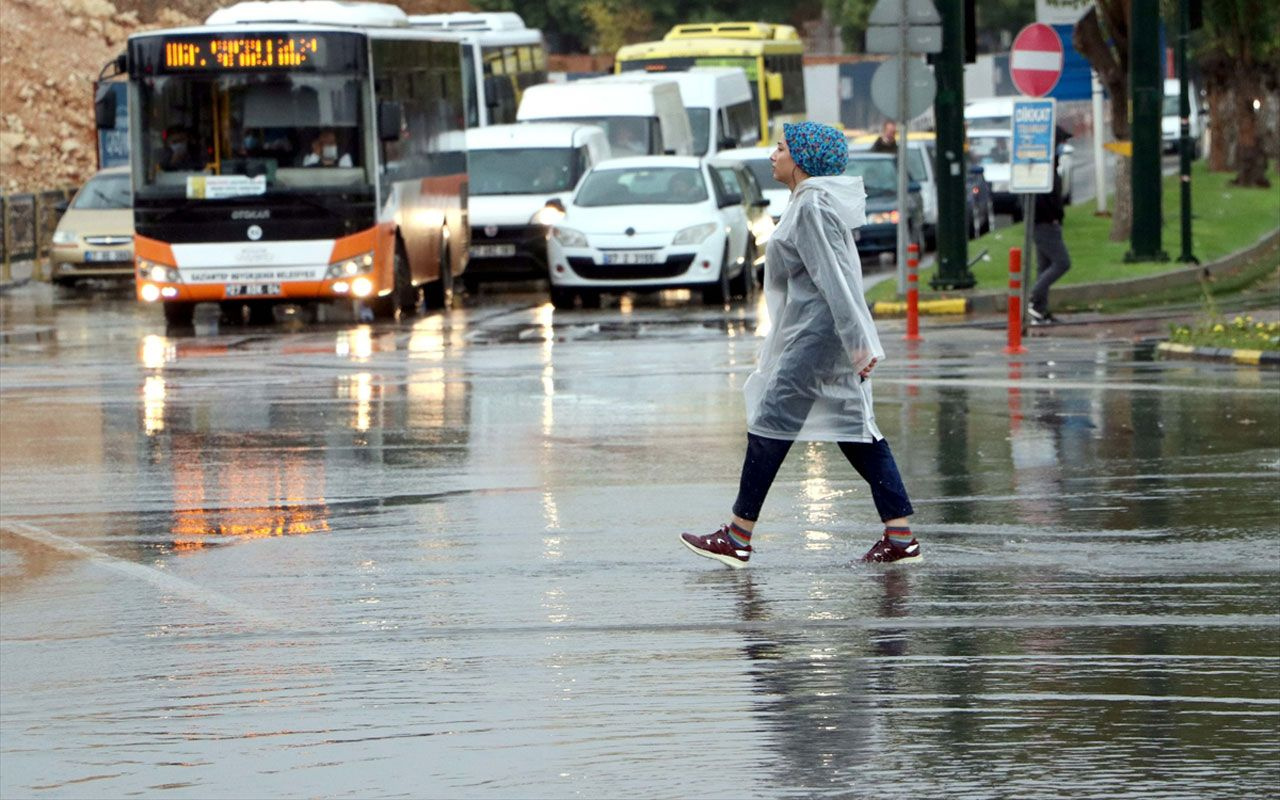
<point x="640" y="117"/>
<point x="718" y="102"/>
<point x="1171" y="120"/>
<point x="514" y="170"/>
<point x="996" y="113"/>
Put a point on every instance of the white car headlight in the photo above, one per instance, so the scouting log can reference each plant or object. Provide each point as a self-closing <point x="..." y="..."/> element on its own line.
<point x="547" y="215"/>
<point x="350" y="266"/>
<point x="568" y="237"/>
<point x="695" y="234"/>
<point x="65" y="237"/>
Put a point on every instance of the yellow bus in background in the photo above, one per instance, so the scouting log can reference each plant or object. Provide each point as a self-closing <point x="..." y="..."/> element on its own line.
<point x="771" y="55"/>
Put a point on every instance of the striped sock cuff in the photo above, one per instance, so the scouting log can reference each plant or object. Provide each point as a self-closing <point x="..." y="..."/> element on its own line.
<point x="899" y="536"/>
<point x="740" y="536"/>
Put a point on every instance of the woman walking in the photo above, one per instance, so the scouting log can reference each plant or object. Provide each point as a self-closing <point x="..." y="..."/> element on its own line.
<point x="813" y="380"/>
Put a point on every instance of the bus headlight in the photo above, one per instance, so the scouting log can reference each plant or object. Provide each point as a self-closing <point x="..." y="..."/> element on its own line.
<point x="350" y="266"/>
<point x="695" y="234"/>
<point x="160" y="273"/>
<point x="362" y="287"/>
<point x="150" y="292"/>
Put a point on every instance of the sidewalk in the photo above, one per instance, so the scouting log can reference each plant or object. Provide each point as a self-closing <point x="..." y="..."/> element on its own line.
<point x="20" y="273"/>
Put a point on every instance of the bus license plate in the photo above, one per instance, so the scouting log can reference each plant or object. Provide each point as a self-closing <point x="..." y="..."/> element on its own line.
<point x="635" y="257"/>
<point x="492" y="250"/>
<point x="252" y="289"/>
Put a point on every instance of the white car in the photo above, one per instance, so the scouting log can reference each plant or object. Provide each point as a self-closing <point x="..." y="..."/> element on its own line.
<point x="650" y="223"/>
<point x="992" y="150"/>
<point x="757" y="160"/>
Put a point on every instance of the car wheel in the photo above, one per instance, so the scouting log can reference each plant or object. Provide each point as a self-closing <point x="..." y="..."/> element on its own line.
<point x="262" y="312"/>
<point x="403" y="290"/>
<point x="718" y="294"/>
<point x="591" y="298"/>
<point x="562" y="299"/>
<point x="743" y="286"/>
<point x="439" y="293"/>
<point x="179" y="315"/>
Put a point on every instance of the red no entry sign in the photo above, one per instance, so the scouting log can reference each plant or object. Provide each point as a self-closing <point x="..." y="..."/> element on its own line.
<point x="1035" y="62"/>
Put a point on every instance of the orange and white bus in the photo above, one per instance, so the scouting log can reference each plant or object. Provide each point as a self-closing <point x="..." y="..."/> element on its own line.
<point x="297" y="152"/>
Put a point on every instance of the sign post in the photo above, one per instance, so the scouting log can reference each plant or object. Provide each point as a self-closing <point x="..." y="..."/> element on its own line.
<point x="902" y="87"/>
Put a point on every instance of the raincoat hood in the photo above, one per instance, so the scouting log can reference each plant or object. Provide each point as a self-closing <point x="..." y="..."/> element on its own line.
<point x="846" y="195"/>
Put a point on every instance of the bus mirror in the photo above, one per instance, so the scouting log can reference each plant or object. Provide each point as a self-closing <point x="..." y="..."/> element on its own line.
<point x="773" y="86"/>
<point x="389" y="119"/>
<point x="104" y="108"/>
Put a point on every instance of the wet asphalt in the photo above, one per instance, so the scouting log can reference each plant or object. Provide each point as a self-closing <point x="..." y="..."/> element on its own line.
<point x="439" y="558"/>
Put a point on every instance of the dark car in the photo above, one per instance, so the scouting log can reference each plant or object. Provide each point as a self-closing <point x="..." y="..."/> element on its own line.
<point x="879" y="236"/>
<point x="980" y="209"/>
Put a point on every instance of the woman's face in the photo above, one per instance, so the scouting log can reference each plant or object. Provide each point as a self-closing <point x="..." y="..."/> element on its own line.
<point x="783" y="166"/>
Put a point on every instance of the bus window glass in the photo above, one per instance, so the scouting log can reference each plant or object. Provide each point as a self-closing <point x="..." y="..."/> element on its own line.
<point x="244" y="124"/>
<point x="469" y="88"/>
<point x="526" y="171"/>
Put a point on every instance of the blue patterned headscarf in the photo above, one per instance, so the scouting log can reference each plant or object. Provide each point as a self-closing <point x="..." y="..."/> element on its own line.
<point x="818" y="149"/>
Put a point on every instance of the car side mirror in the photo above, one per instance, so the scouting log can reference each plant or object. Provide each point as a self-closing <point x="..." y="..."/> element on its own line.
<point x="730" y="199"/>
<point x="390" y="116"/>
<point x="1067" y="149"/>
<point x="727" y="143"/>
<point x="104" y="108"/>
<point x="913" y="186"/>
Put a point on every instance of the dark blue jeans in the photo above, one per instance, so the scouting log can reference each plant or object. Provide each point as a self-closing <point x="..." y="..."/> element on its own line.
<point x="873" y="461"/>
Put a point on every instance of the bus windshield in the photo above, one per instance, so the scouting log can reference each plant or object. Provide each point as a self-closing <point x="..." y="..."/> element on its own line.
<point x="290" y="130"/>
<point x="532" y="171"/>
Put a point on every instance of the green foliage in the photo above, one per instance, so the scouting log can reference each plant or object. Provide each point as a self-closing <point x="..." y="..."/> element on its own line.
<point x="1241" y="333"/>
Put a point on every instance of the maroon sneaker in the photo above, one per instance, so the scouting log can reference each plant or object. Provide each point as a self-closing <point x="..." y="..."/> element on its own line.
<point x="719" y="546"/>
<point x="886" y="552"/>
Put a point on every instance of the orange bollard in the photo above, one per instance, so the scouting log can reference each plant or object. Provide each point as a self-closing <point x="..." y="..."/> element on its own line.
<point x="1015" y="301"/>
<point x="913" y="293"/>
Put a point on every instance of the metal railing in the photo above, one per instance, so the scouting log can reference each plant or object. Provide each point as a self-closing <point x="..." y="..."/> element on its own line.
<point x="29" y="221"/>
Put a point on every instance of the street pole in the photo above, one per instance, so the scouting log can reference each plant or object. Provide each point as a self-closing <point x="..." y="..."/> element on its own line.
<point x="1099" y="133"/>
<point x="1147" y="96"/>
<point x="903" y="216"/>
<point x="951" y="166"/>
<point x="1184" y="140"/>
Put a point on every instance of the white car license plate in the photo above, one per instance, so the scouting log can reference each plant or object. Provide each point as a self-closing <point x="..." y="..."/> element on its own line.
<point x="632" y="257"/>
<point x="252" y="289"/>
<point x="492" y="250"/>
<point x="108" y="255"/>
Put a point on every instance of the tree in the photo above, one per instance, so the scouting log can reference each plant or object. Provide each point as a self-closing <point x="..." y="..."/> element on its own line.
<point x="614" y="23"/>
<point x="1239" y="48"/>
<point x="1102" y="37"/>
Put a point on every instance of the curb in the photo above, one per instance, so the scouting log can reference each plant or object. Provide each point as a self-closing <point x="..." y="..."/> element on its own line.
<point x="28" y="333"/>
<point x="955" y="305"/>
<point x="1251" y="357"/>
<point x="994" y="302"/>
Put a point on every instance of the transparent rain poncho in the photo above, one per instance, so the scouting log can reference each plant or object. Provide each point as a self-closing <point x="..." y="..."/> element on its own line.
<point x="806" y="386"/>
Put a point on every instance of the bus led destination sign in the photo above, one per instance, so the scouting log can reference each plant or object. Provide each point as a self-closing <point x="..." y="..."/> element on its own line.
<point x="243" y="52"/>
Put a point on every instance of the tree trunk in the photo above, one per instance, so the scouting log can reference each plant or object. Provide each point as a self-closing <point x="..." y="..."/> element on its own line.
<point x="1251" y="156"/>
<point x="1112" y="66"/>
<point x="1219" y="130"/>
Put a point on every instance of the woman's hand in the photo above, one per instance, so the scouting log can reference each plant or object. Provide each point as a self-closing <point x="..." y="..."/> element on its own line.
<point x="866" y="371"/>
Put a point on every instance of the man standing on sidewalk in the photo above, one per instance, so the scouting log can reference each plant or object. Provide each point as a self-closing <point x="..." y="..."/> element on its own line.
<point x="1051" y="252"/>
<point x="887" y="142"/>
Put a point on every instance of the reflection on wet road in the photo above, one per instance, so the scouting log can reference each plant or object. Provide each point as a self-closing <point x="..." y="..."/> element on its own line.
<point x="439" y="558"/>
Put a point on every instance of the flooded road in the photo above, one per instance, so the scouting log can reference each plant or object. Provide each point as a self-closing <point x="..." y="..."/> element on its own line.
<point x="440" y="558"/>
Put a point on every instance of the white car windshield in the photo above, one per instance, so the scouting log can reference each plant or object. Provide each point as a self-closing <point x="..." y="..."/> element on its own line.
<point x="642" y="186"/>
<point x="987" y="150"/>
<point x="105" y="191"/>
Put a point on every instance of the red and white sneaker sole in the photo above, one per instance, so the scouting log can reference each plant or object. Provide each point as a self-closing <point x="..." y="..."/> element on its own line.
<point x="728" y="561"/>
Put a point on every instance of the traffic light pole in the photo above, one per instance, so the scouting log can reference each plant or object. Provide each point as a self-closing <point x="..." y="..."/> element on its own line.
<point x="1184" y="140"/>
<point x="951" y="167"/>
<point x="1147" y="96"/>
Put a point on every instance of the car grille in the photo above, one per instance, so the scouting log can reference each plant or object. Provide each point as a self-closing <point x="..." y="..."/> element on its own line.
<point x="673" y="266"/>
<point x="108" y="240"/>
